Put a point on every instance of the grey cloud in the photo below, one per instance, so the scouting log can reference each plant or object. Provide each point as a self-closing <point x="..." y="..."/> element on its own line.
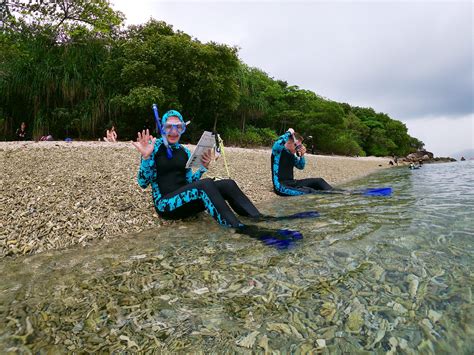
<point x="405" y="59"/>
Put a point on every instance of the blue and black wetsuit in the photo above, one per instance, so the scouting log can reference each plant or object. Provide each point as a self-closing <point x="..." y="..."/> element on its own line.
<point x="178" y="193"/>
<point x="283" y="162"/>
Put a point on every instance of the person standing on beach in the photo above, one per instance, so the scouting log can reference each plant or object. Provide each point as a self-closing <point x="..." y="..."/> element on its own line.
<point x="21" y="132"/>
<point x="287" y="153"/>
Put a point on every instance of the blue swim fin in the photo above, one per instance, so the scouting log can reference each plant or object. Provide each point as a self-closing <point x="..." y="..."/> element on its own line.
<point x="278" y="238"/>
<point x="381" y="191"/>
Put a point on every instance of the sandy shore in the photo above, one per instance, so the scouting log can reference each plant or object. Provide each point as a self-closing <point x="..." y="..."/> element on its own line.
<point x="56" y="194"/>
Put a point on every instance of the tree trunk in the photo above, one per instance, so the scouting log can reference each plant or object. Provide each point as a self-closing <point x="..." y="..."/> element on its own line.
<point x="243" y="122"/>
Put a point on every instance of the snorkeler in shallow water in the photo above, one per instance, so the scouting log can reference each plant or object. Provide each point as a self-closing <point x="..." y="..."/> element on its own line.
<point x="178" y="192"/>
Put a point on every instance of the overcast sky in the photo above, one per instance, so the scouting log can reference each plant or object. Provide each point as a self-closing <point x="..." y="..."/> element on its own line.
<point x="410" y="59"/>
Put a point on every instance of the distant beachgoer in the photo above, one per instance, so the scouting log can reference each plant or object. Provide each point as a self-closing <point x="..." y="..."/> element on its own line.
<point x="111" y="135"/>
<point x="312" y="144"/>
<point x="288" y="152"/>
<point x="391" y="163"/>
<point x="21" y="132"/>
<point x="48" y="138"/>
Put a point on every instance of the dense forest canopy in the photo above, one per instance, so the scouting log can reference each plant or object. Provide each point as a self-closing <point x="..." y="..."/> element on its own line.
<point x="71" y="69"/>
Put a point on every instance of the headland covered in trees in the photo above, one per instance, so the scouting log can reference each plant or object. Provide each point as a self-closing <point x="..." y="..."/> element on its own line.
<point x="72" y="69"/>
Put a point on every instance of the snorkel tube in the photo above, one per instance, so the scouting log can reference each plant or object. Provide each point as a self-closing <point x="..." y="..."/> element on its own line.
<point x="159" y="130"/>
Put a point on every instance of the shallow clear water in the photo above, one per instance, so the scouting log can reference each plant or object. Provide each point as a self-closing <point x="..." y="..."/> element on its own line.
<point x="371" y="274"/>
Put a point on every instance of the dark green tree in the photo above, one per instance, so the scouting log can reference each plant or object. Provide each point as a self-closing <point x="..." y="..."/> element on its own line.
<point x="68" y="68"/>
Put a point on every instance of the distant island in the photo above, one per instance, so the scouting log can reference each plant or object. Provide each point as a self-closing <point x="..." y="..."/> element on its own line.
<point x="468" y="154"/>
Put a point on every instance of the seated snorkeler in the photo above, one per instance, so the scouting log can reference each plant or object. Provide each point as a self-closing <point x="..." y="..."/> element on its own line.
<point x="179" y="193"/>
<point x="288" y="152"/>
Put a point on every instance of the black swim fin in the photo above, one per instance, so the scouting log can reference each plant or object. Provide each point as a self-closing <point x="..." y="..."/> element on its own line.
<point x="299" y="215"/>
<point x="279" y="238"/>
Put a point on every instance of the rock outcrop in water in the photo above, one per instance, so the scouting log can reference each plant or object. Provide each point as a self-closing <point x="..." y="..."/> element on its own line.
<point x="420" y="155"/>
<point x="425" y="157"/>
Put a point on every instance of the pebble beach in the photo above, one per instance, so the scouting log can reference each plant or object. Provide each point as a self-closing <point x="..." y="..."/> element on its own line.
<point x="55" y="195"/>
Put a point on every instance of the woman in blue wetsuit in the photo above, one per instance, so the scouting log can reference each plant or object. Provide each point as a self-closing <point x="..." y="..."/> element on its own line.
<point x="287" y="153"/>
<point x="177" y="192"/>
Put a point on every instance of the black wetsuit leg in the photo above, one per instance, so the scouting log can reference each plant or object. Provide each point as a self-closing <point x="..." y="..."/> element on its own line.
<point x="239" y="202"/>
<point x="213" y="196"/>
<point x="207" y="192"/>
<point x="187" y="210"/>
<point x="311" y="183"/>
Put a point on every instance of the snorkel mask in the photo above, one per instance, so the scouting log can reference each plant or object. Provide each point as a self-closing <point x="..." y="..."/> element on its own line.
<point x="180" y="127"/>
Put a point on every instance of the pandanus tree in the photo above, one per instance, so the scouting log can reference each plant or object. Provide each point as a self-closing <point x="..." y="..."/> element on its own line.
<point x="253" y="104"/>
<point x="53" y="80"/>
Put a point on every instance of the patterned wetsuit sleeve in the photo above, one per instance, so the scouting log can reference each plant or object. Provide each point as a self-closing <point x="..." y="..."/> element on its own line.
<point x="280" y="143"/>
<point x="190" y="177"/>
<point x="147" y="171"/>
<point x="300" y="163"/>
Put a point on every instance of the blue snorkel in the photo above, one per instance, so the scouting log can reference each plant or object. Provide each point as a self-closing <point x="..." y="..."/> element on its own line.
<point x="159" y="130"/>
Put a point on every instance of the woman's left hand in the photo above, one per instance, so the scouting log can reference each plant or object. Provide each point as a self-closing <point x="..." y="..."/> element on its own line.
<point x="206" y="158"/>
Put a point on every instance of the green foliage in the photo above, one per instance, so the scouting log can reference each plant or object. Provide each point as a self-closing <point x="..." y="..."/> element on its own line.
<point x="68" y="69"/>
<point x="416" y="144"/>
<point x="139" y="99"/>
<point x="254" y="103"/>
<point x="3" y="128"/>
<point x="398" y="133"/>
<point x="62" y="20"/>
<point x="346" y="145"/>
<point x="357" y="129"/>
<point x="378" y="144"/>
<point x="252" y="137"/>
<point x="137" y="103"/>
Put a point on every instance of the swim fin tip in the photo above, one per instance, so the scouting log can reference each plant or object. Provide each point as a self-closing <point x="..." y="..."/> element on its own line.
<point x="279" y="238"/>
